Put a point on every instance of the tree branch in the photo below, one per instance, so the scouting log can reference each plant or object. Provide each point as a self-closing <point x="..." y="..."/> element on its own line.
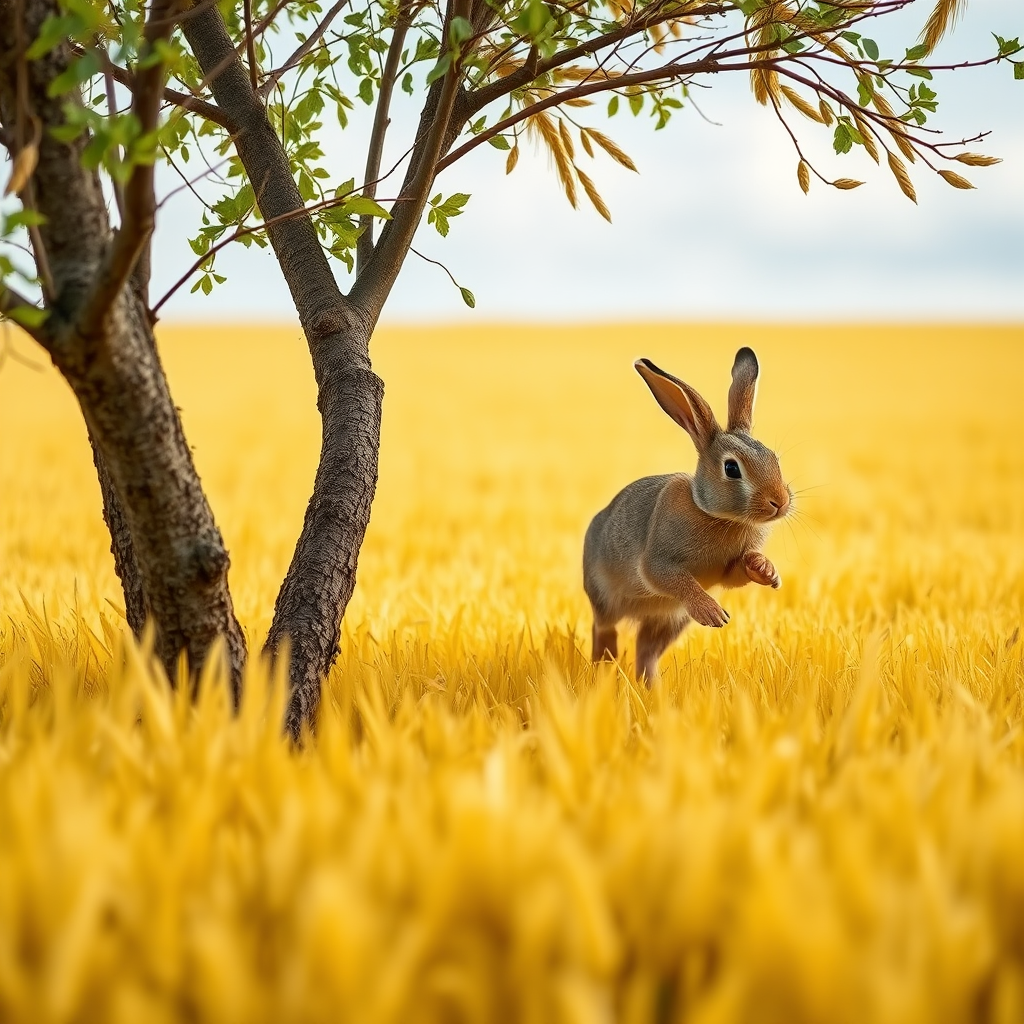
<point x="651" y="16"/>
<point x="139" y="197"/>
<point x="193" y="104"/>
<point x="666" y="72"/>
<point x="108" y="82"/>
<point x="314" y="38"/>
<point x="374" y="283"/>
<point x="381" y="120"/>
<point x="250" y="42"/>
<point x="322" y="308"/>
<point x="10" y="300"/>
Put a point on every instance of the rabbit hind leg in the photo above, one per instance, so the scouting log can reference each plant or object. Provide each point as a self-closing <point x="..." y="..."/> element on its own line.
<point x="605" y="637"/>
<point x="606" y="642"/>
<point x="652" y="640"/>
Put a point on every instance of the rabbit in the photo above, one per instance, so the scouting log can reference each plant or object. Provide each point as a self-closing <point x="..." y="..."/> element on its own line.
<point x="663" y="540"/>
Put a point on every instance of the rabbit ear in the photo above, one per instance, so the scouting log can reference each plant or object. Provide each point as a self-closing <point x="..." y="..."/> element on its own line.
<point x="743" y="390"/>
<point x="681" y="402"/>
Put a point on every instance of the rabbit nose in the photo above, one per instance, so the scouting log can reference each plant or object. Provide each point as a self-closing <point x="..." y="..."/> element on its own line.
<point x="781" y="508"/>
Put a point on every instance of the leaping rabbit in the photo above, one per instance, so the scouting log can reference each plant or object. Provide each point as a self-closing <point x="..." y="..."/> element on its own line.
<point x="663" y="540"/>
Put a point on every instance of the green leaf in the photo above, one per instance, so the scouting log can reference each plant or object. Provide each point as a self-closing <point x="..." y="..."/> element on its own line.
<point x="75" y="74"/>
<point x="917" y="52"/>
<point x="1007" y="46"/>
<point x="636" y="103"/>
<point x="439" y="220"/>
<point x="366" y="91"/>
<point x="613" y="106"/>
<point x="453" y="205"/>
<point x="1018" y="72"/>
<point x="871" y="49"/>
<point x="459" y="31"/>
<point x="23" y="219"/>
<point x="67" y="132"/>
<point x="499" y="142"/>
<point x="919" y="72"/>
<point x="440" y="69"/>
<point x="468" y="298"/>
<point x="842" y="140"/>
<point x="534" y="22"/>
<point x="407" y="83"/>
<point x="29" y="316"/>
<point x="365" y="205"/>
<point x="53" y="32"/>
<point x="307" y="189"/>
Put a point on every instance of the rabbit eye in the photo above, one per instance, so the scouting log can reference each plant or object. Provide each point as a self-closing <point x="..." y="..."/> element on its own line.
<point x="732" y="469"/>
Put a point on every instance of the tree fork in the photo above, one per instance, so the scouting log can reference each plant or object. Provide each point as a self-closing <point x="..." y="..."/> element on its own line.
<point x="322" y="574"/>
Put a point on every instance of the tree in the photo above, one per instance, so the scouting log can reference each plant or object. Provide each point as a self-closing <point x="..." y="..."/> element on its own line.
<point x="93" y="93"/>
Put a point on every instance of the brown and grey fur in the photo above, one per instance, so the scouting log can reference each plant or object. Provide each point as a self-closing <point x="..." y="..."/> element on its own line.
<point x="663" y="540"/>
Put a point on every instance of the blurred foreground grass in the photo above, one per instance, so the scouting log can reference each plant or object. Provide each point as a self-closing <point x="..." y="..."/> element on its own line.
<point x="817" y="814"/>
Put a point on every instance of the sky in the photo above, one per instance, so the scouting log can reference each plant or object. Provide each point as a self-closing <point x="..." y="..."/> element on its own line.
<point x="714" y="227"/>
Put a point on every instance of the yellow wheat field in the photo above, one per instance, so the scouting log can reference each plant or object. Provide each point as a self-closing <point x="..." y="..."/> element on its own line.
<point x="816" y="816"/>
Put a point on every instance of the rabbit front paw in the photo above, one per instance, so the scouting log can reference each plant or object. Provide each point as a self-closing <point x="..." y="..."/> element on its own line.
<point x="708" y="612"/>
<point x="760" y="570"/>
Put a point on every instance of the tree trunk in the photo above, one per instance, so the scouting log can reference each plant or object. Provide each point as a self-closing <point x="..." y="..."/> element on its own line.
<point x="121" y="547"/>
<point x="166" y="544"/>
<point x="181" y="563"/>
<point x="322" y="574"/>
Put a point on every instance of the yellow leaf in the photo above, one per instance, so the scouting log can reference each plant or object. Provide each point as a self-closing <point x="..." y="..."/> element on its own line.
<point x="801" y="104"/>
<point x="594" y="196"/>
<point x="956" y="180"/>
<point x="617" y="154"/>
<point x="566" y="138"/>
<point x="977" y="160"/>
<point x="24" y="167"/>
<point x="902" y="177"/>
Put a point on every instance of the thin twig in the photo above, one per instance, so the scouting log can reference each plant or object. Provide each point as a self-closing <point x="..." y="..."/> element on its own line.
<point x="11" y="300"/>
<point x="373" y="286"/>
<point x="667" y="72"/>
<point x="139" y="218"/>
<point x="25" y="113"/>
<point x="314" y="38"/>
<point x="250" y="43"/>
<point x="189" y="183"/>
<point x="437" y="263"/>
<point x="192" y="103"/>
<point x="527" y="73"/>
<point x="301" y="211"/>
<point x="108" y="81"/>
<point x="381" y="120"/>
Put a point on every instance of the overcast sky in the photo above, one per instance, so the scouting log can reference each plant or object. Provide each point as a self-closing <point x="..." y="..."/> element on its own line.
<point x="713" y="227"/>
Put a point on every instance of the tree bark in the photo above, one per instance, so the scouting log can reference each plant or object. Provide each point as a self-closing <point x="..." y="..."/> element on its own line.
<point x="322" y="574"/>
<point x="150" y="485"/>
<point x="121" y="547"/>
